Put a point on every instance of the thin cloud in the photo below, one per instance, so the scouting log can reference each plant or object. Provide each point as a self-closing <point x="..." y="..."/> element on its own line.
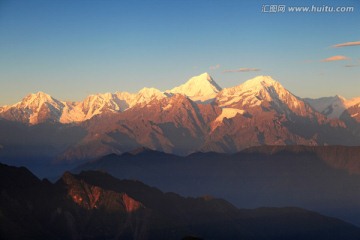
<point x="347" y="44"/>
<point x="352" y="65"/>
<point x="217" y="66"/>
<point x="242" y="70"/>
<point x="335" y="58"/>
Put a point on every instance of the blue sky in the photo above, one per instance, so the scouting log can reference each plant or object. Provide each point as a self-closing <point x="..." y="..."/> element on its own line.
<point x="70" y="49"/>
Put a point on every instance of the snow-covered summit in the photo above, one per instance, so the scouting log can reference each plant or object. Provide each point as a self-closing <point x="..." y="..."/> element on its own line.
<point x="98" y="103"/>
<point x="146" y="95"/>
<point x="332" y="107"/>
<point x="149" y="93"/>
<point x="199" y="88"/>
<point x="36" y="100"/>
<point x="260" y="81"/>
<point x="34" y="108"/>
<point x="252" y="92"/>
<point x="259" y="90"/>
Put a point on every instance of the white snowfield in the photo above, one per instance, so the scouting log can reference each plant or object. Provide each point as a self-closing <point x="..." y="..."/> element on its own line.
<point x="228" y="113"/>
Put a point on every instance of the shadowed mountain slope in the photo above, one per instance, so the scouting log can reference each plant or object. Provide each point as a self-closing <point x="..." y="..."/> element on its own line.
<point x="324" y="179"/>
<point x="95" y="205"/>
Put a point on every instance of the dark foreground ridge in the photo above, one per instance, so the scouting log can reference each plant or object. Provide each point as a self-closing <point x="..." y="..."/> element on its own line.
<point x="325" y="179"/>
<point x="95" y="205"/>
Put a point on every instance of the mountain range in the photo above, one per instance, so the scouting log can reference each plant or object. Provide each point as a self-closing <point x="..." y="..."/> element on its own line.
<point x="324" y="179"/>
<point x="196" y="116"/>
<point x="255" y="144"/>
<point x="95" y="205"/>
<point x="41" y="107"/>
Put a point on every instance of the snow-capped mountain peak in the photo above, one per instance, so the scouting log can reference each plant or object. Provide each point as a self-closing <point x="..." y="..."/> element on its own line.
<point x="146" y="95"/>
<point x="39" y="94"/>
<point x="252" y="92"/>
<point x="199" y="88"/>
<point x="150" y="92"/>
<point x="351" y="102"/>
<point x="258" y="91"/>
<point x="103" y="97"/>
<point x="254" y="86"/>
<point x="332" y="107"/>
<point x="34" y="108"/>
<point x="264" y="86"/>
<point x="36" y="100"/>
<point x="340" y="97"/>
<point x="260" y="81"/>
<point x="97" y="103"/>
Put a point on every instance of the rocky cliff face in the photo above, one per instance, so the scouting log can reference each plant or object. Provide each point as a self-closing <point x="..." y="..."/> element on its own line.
<point x="93" y="197"/>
